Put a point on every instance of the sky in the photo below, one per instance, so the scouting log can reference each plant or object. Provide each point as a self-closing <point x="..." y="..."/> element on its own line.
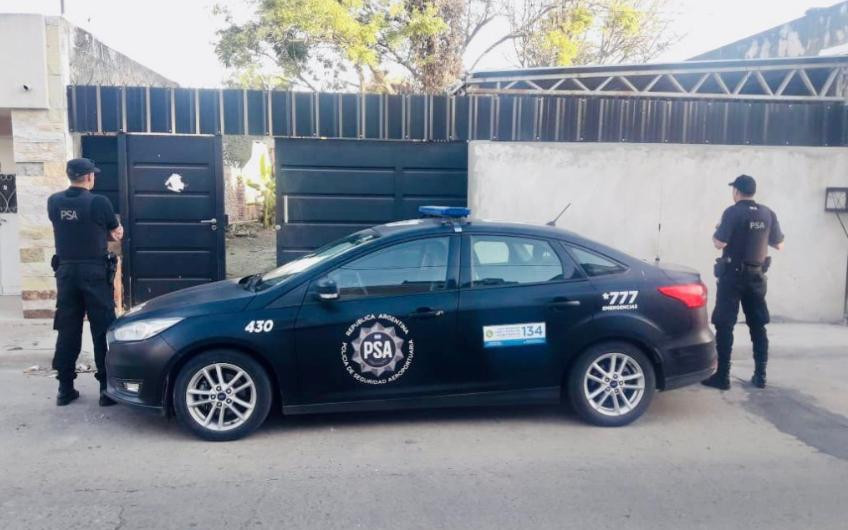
<point x="175" y="37"/>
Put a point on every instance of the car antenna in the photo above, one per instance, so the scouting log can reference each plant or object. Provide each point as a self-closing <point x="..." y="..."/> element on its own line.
<point x="554" y="222"/>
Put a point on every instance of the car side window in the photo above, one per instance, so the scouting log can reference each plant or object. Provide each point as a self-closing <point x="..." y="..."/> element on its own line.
<point x="595" y="264"/>
<point x="418" y="266"/>
<point x="506" y="260"/>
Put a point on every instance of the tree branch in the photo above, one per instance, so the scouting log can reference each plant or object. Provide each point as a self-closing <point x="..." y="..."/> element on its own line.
<point x="306" y="82"/>
<point x="494" y="45"/>
<point x="396" y="57"/>
<point x="484" y="19"/>
<point x="520" y="32"/>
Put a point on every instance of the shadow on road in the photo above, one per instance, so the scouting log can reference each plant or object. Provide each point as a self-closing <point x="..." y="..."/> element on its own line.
<point x="799" y="416"/>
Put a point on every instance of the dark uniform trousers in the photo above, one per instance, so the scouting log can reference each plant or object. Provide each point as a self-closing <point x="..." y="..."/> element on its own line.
<point x="748" y="288"/>
<point x="83" y="289"/>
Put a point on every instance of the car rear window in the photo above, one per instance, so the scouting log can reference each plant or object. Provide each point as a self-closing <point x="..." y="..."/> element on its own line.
<point x="594" y="264"/>
<point x="505" y="260"/>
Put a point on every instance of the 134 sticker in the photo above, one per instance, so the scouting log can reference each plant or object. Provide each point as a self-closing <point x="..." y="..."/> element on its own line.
<point x="259" y="326"/>
<point x="620" y="300"/>
<point x="514" y="335"/>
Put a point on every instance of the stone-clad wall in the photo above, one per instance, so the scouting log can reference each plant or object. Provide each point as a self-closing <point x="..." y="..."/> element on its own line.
<point x="42" y="144"/>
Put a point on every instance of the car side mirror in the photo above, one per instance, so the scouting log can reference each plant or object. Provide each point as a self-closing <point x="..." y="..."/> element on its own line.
<point x="326" y="290"/>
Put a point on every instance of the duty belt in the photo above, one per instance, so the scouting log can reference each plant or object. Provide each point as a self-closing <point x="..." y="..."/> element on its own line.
<point x="97" y="261"/>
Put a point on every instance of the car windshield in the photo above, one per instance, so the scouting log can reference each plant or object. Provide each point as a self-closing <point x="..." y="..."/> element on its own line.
<point x="307" y="261"/>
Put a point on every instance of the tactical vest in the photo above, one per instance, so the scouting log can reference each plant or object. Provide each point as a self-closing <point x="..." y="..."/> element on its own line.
<point x="77" y="235"/>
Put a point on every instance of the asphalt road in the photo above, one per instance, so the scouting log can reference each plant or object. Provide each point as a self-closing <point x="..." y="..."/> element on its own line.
<point x="699" y="458"/>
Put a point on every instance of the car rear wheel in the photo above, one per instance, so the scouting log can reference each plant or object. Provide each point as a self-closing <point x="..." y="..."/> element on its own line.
<point x="611" y="384"/>
<point x="222" y="395"/>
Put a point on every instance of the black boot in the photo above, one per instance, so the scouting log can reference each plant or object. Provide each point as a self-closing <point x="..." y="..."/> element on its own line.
<point x="105" y="401"/>
<point x="67" y="393"/>
<point x="760" y="340"/>
<point x="759" y="377"/>
<point x="720" y="379"/>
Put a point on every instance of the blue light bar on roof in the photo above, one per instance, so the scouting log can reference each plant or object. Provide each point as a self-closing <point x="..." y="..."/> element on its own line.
<point x="444" y="211"/>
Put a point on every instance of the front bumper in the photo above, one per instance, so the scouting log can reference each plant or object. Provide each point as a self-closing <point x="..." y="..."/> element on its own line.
<point x="143" y="363"/>
<point x="689" y="361"/>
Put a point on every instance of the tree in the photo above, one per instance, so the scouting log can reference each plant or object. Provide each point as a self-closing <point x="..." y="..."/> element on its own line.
<point x="571" y="32"/>
<point x="402" y="45"/>
<point x="322" y="43"/>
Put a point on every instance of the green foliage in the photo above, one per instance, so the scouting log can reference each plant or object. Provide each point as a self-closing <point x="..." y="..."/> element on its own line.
<point x="400" y="45"/>
<point x="567" y="32"/>
<point x="267" y="186"/>
<point x="562" y="32"/>
<point x="305" y="39"/>
<point x="624" y="16"/>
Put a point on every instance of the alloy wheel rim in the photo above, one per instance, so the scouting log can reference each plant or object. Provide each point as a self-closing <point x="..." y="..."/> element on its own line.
<point x="614" y="384"/>
<point x="221" y="397"/>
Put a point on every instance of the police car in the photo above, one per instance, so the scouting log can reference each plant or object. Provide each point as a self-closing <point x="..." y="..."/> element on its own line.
<point x="433" y="312"/>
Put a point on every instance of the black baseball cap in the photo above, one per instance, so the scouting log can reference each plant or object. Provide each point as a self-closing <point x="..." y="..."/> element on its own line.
<point x="745" y="184"/>
<point x="79" y="167"/>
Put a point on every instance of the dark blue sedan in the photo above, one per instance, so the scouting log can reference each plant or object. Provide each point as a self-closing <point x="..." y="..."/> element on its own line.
<point x="433" y="312"/>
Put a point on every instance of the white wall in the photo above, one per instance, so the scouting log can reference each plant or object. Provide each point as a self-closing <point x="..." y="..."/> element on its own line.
<point x="10" y="273"/>
<point x="654" y="200"/>
<point x="23" y="61"/>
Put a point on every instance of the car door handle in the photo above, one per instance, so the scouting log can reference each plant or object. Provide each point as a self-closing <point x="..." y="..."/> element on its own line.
<point x="558" y="303"/>
<point x="426" y="312"/>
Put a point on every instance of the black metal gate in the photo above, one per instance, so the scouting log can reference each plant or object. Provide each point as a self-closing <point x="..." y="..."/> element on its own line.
<point x="169" y="192"/>
<point x="329" y="188"/>
<point x="175" y="210"/>
<point x="103" y="150"/>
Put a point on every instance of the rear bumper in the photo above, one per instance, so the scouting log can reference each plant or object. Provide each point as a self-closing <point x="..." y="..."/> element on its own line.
<point x="689" y="362"/>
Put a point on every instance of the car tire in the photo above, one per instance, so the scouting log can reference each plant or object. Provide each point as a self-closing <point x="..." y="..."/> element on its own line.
<point x="225" y="411"/>
<point x="609" y="396"/>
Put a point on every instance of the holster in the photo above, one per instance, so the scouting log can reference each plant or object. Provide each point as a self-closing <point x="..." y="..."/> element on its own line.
<point x="720" y="267"/>
<point x="766" y="264"/>
<point x="54" y="262"/>
<point x="752" y="273"/>
<point x="111" y="266"/>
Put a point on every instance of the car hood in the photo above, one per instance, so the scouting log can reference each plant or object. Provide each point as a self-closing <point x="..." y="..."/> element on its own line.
<point x="226" y="296"/>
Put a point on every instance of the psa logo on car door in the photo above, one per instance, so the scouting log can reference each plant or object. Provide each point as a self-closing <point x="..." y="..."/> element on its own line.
<point x="377" y="349"/>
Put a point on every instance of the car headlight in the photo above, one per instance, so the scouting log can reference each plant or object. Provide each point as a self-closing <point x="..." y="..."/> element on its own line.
<point x="143" y="329"/>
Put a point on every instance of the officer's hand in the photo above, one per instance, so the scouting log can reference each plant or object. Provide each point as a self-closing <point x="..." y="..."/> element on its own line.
<point x="117" y="234"/>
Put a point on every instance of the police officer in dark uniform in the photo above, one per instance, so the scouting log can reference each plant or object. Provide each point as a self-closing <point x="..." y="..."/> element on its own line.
<point x="746" y="231"/>
<point x="82" y="224"/>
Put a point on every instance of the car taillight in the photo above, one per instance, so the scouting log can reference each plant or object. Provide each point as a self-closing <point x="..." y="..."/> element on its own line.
<point x="693" y="295"/>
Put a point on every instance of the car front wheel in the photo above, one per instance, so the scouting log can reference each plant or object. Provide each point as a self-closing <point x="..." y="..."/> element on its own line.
<point x="611" y="384"/>
<point x="222" y="395"/>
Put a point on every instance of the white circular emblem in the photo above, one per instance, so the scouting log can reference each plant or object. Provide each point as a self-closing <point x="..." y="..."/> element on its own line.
<point x="377" y="349"/>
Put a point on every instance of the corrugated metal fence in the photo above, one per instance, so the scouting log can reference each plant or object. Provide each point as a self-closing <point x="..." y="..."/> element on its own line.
<point x="504" y="117"/>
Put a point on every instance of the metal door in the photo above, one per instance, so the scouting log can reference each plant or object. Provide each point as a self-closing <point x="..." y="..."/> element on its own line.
<point x="327" y="189"/>
<point x="173" y="207"/>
